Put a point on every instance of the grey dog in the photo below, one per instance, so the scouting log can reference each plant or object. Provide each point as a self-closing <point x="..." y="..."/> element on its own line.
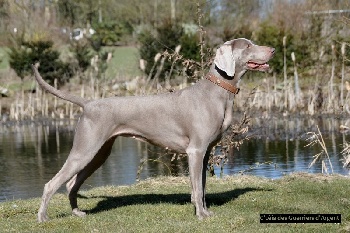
<point x="189" y="121"/>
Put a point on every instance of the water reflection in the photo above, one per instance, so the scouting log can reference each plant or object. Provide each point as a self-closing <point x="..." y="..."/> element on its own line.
<point x="32" y="153"/>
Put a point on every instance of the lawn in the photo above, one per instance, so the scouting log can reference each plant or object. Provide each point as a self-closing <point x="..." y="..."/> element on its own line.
<point x="124" y="63"/>
<point x="4" y="63"/>
<point x="163" y="205"/>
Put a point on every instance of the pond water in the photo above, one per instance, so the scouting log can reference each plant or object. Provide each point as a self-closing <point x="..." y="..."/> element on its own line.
<point x="32" y="153"/>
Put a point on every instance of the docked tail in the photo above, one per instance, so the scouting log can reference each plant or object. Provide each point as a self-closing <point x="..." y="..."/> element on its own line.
<point x="60" y="94"/>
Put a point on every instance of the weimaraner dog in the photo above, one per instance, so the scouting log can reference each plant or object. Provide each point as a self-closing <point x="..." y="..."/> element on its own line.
<point x="189" y="121"/>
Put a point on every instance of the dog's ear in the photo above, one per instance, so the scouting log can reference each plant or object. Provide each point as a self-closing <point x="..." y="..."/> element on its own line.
<point x="224" y="59"/>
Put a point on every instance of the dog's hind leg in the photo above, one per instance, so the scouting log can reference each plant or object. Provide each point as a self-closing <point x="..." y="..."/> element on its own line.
<point x="75" y="162"/>
<point x="87" y="143"/>
<point x="77" y="180"/>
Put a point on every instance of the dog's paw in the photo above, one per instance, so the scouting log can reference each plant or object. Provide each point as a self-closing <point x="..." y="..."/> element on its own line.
<point x="208" y="213"/>
<point x="204" y="214"/>
<point x="42" y="217"/>
<point x="78" y="212"/>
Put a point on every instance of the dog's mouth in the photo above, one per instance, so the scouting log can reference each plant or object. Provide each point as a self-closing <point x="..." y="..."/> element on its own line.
<point x="257" y="66"/>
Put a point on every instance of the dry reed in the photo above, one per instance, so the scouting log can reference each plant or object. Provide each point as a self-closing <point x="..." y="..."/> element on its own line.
<point x="346" y="155"/>
<point x="316" y="138"/>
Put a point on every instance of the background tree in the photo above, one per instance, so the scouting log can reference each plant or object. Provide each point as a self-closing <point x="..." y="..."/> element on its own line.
<point x="121" y="22"/>
<point x="4" y="19"/>
<point x="167" y="37"/>
<point x="51" y="67"/>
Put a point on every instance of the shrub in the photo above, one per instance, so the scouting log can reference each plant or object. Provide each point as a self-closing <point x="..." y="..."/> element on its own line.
<point x="190" y="47"/>
<point x="109" y="33"/>
<point x="167" y="37"/>
<point x="20" y="61"/>
<point x="241" y="30"/>
<point x="82" y="53"/>
<point x="51" y="67"/>
<point x="101" y="64"/>
<point x="148" y="49"/>
<point x="270" y="35"/>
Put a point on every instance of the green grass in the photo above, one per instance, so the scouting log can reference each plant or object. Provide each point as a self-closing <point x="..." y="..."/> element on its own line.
<point x="163" y="205"/>
<point x="124" y="63"/>
<point x="4" y="63"/>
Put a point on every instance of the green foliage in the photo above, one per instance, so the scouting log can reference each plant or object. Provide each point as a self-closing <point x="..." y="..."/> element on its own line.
<point x="86" y="57"/>
<point x="190" y="47"/>
<point x="51" y="67"/>
<point x="169" y="34"/>
<point x="82" y="54"/>
<point x="78" y="12"/>
<point x="101" y="64"/>
<point x="270" y="35"/>
<point x="20" y="61"/>
<point x="148" y="49"/>
<point x="167" y="37"/>
<point x="109" y="33"/>
<point x="242" y="30"/>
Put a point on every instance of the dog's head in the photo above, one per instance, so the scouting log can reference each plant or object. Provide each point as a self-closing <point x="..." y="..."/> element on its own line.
<point x="241" y="54"/>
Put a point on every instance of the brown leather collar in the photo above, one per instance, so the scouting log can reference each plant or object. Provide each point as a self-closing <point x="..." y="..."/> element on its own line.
<point x="221" y="83"/>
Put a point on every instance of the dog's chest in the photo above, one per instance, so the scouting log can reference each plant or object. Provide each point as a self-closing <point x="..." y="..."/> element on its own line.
<point x="227" y="116"/>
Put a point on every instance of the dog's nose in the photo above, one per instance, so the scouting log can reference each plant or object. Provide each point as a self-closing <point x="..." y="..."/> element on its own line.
<point x="272" y="50"/>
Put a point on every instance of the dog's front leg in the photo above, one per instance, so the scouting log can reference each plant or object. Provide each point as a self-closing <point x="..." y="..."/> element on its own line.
<point x="196" y="161"/>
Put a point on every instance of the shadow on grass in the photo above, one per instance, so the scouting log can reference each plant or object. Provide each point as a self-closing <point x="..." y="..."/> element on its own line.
<point x="181" y="199"/>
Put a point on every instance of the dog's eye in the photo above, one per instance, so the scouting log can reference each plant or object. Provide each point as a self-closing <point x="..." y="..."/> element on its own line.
<point x="248" y="46"/>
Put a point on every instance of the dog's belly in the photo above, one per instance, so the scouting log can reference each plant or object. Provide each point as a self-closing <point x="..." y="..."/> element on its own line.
<point x="173" y="142"/>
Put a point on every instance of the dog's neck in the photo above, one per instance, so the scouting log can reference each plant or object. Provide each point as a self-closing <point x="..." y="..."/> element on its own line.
<point x="233" y="80"/>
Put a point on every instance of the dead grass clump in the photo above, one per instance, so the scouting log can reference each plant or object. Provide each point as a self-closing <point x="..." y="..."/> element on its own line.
<point x="346" y="155"/>
<point x="315" y="138"/>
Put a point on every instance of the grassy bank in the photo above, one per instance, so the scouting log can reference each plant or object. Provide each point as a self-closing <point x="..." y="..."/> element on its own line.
<point x="163" y="205"/>
<point x="4" y="63"/>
